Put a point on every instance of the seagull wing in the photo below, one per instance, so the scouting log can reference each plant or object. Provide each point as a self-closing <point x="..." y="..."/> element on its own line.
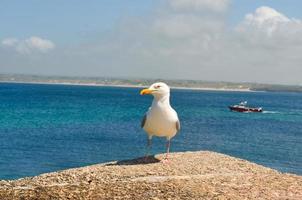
<point x="144" y="120"/>
<point x="177" y="125"/>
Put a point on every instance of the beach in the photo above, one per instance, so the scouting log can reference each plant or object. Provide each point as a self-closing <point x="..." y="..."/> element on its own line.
<point x="131" y="86"/>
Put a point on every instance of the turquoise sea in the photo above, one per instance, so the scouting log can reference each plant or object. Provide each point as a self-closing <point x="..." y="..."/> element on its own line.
<point x="45" y="128"/>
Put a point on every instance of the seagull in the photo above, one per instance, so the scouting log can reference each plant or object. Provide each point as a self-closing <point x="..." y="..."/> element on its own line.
<point x="161" y="119"/>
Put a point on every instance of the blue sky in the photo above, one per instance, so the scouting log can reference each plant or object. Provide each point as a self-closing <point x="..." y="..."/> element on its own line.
<point x="71" y="20"/>
<point x="65" y="20"/>
<point x="153" y="38"/>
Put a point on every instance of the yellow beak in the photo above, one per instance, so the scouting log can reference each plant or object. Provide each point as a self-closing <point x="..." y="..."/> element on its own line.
<point x="146" y="91"/>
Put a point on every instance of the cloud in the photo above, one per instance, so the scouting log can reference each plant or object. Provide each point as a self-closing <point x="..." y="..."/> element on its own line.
<point x="264" y="15"/>
<point x="29" y="45"/>
<point x="190" y="45"/>
<point x="184" y="26"/>
<point x="199" y="5"/>
<point x="269" y="30"/>
<point x="9" y="42"/>
<point x="270" y="22"/>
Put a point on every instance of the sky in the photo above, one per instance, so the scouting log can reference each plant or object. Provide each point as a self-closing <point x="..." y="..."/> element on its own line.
<point x="212" y="40"/>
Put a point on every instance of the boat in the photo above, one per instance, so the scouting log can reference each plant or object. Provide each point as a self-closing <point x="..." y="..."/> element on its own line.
<point x="242" y="107"/>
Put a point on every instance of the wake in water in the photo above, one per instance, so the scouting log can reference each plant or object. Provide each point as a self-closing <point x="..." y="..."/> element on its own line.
<point x="271" y="112"/>
<point x="283" y="113"/>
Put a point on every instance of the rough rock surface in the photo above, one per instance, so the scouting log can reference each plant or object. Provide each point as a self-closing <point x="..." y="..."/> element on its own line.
<point x="189" y="175"/>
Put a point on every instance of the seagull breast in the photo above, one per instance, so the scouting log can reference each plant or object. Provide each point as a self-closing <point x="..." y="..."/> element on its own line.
<point x="161" y="120"/>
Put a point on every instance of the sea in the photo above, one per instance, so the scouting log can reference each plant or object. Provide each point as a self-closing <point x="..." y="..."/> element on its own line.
<point x="45" y="128"/>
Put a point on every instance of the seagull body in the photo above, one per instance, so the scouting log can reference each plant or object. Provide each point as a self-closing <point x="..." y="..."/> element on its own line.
<point x="161" y="119"/>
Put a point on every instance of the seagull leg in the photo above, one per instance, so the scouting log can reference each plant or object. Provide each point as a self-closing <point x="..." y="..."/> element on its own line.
<point x="149" y="143"/>
<point x="166" y="159"/>
<point x="168" y="148"/>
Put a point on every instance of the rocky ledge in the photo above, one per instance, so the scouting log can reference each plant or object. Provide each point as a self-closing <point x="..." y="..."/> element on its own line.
<point x="189" y="175"/>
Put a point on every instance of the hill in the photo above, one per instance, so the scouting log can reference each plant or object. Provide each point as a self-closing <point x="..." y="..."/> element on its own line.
<point x="138" y="82"/>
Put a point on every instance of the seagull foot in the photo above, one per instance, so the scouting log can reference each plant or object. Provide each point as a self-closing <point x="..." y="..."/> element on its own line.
<point x="165" y="161"/>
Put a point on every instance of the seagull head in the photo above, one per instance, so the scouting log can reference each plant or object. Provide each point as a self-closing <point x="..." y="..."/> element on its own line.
<point x="158" y="90"/>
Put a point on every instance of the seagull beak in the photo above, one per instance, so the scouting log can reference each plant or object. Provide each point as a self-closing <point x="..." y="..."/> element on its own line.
<point x="146" y="91"/>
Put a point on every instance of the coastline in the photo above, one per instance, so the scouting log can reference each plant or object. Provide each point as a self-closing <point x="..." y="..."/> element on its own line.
<point x="133" y="86"/>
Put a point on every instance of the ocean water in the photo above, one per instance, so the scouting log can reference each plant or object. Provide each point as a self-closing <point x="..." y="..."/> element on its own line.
<point x="45" y="128"/>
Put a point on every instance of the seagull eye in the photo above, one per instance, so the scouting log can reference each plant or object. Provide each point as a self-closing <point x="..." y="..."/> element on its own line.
<point x="157" y="86"/>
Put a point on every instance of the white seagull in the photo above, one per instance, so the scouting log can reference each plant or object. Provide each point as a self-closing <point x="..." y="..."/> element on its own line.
<point x="161" y="119"/>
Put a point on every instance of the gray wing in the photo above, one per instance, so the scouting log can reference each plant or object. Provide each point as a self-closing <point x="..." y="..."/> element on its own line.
<point x="144" y="121"/>
<point x="177" y="125"/>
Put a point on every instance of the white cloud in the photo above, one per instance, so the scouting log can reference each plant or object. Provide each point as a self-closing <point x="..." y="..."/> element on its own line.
<point x="29" y="45"/>
<point x="39" y="43"/>
<point x="199" y="5"/>
<point x="184" y="26"/>
<point x="265" y="14"/>
<point x="9" y="42"/>
<point x="268" y="21"/>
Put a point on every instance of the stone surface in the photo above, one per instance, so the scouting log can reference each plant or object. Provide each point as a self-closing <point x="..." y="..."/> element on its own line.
<point x="189" y="175"/>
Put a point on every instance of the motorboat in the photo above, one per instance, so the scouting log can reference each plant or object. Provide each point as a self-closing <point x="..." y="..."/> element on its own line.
<point x="242" y="107"/>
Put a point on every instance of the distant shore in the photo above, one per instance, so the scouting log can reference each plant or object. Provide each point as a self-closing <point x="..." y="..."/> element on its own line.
<point x="131" y="86"/>
<point x="143" y="82"/>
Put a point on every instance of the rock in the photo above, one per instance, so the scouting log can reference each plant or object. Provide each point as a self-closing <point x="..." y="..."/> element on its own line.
<point x="189" y="175"/>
